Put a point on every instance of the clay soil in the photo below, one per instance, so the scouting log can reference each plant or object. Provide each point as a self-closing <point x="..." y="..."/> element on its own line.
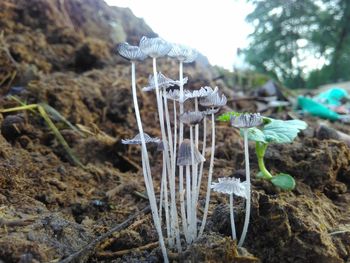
<point x="61" y="53"/>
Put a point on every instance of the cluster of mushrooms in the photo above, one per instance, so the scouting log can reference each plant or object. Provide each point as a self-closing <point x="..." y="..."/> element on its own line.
<point x="183" y="147"/>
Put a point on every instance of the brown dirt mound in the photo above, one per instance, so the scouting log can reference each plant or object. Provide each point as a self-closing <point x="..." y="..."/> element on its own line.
<point x="61" y="53"/>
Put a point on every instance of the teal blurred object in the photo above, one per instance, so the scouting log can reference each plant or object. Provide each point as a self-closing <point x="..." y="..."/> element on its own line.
<point x="332" y="96"/>
<point x="317" y="109"/>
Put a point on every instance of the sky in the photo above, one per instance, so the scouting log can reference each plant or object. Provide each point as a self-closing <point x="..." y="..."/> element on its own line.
<point x="214" y="28"/>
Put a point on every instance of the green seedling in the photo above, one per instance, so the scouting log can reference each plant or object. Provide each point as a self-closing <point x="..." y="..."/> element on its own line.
<point x="271" y="131"/>
<point x="45" y="110"/>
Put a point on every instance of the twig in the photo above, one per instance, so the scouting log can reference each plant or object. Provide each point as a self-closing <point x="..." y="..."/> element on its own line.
<point x="115" y="237"/>
<point x="89" y="248"/>
<point x="131" y="162"/>
<point x="339" y="232"/>
<point x="127" y="251"/>
<point x="18" y="222"/>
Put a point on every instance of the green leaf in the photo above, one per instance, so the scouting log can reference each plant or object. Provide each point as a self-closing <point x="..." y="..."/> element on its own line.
<point x="283" y="181"/>
<point x="255" y="134"/>
<point x="267" y="120"/>
<point x="260" y="175"/>
<point x="283" y="131"/>
<point x="227" y="116"/>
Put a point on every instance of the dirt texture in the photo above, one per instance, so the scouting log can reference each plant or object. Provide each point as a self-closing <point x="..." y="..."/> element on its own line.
<point x="61" y="52"/>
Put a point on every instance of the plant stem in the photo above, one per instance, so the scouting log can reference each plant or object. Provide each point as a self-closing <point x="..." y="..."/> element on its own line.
<point x="247" y="172"/>
<point x="210" y="174"/>
<point x="146" y="172"/>
<point x="232" y="219"/>
<point x="260" y="149"/>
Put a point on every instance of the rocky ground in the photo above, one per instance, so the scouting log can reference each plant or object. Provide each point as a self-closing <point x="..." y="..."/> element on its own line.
<point x="61" y="52"/>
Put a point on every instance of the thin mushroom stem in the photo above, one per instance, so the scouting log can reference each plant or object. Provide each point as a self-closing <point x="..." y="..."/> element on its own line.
<point x="175" y="134"/>
<point x="171" y="145"/>
<point x="196" y="131"/>
<point x="173" y="212"/>
<point x="182" y="207"/>
<point x="164" y="195"/>
<point x="232" y="219"/>
<point x="247" y="170"/>
<point x="146" y="171"/>
<point x="203" y="154"/>
<point x="170" y="135"/>
<point x="161" y="194"/>
<point x="181" y="126"/>
<point x="188" y="201"/>
<point x="210" y="175"/>
<point x="193" y="221"/>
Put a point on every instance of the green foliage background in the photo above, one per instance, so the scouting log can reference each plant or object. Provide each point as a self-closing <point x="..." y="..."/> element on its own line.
<point x="287" y="31"/>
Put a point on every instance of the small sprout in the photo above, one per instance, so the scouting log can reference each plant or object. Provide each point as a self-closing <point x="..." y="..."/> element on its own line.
<point x="226" y="117"/>
<point x="185" y="154"/>
<point x="154" y="47"/>
<point x="183" y="53"/>
<point x="214" y="100"/>
<point x="137" y="139"/>
<point x="129" y="52"/>
<point x="246" y="120"/>
<point x="277" y="131"/>
<point x="192" y="117"/>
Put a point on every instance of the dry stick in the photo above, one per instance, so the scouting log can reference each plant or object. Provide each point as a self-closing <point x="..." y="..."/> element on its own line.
<point x="16" y="223"/>
<point x="127" y="251"/>
<point x="247" y="169"/>
<point x="174" y="220"/>
<point x="147" y="169"/>
<point x="89" y="248"/>
<point x="232" y="219"/>
<point x="110" y="241"/>
<point x="210" y="174"/>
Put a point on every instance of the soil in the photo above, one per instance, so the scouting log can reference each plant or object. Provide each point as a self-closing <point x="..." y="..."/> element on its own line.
<point x="61" y="53"/>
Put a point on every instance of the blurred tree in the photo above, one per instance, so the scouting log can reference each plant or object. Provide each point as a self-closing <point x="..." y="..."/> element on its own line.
<point x="293" y="36"/>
